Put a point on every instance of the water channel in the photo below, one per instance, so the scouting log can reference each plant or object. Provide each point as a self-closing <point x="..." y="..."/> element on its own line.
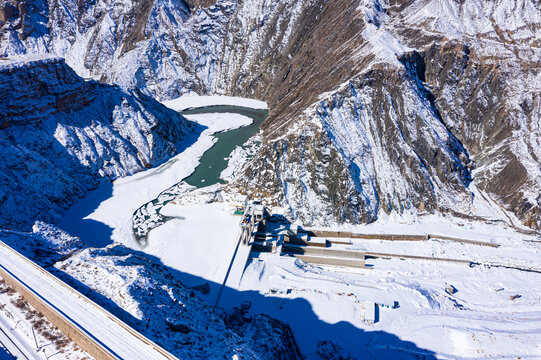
<point x="207" y="173"/>
<point x="214" y="160"/>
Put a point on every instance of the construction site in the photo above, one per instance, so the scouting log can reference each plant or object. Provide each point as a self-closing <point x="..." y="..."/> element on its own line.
<point x="268" y="233"/>
<point x="265" y="234"/>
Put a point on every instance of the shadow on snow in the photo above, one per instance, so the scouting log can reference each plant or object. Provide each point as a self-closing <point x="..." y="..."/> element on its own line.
<point x="306" y="325"/>
<point x="97" y="234"/>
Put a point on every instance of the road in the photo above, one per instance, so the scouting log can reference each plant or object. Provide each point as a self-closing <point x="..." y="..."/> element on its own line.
<point x="104" y="329"/>
<point x="12" y="346"/>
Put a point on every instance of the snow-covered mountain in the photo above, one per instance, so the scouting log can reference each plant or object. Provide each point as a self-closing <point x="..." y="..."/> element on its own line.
<point x="375" y="105"/>
<point x="427" y="104"/>
<point x="61" y="134"/>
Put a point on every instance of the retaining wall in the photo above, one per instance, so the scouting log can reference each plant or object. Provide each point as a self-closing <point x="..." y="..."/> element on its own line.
<point x="66" y="326"/>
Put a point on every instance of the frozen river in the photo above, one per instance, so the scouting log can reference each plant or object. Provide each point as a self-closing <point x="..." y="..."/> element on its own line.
<point x="214" y="160"/>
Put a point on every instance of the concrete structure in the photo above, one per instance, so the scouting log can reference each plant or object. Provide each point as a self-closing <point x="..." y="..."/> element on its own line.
<point x="298" y="243"/>
<point x="371" y="254"/>
<point x="390" y="237"/>
<point x="325" y="256"/>
<point x="87" y="324"/>
<point x="317" y="251"/>
<point x="259" y="212"/>
<point x="247" y="228"/>
<point x="304" y="239"/>
<point x="331" y="261"/>
<point x="253" y="215"/>
<point x="265" y="246"/>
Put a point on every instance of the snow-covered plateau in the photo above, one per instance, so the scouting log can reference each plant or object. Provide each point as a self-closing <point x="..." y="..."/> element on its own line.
<point x="419" y="117"/>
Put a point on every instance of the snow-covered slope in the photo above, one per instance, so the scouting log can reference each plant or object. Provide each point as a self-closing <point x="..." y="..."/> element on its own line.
<point x="463" y="74"/>
<point x="363" y="149"/>
<point x="164" y="48"/>
<point x="155" y="303"/>
<point x="375" y="106"/>
<point x="144" y="293"/>
<point x="61" y="134"/>
<point x="407" y="101"/>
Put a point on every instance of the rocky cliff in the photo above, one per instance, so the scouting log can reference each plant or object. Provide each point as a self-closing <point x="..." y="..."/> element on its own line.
<point x="376" y="105"/>
<point x="60" y="135"/>
<point x="402" y="105"/>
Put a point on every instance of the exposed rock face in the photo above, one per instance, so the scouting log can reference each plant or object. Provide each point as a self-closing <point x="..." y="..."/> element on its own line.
<point x="425" y="88"/>
<point x="496" y="112"/>
<point x="344" y="164"/>
<point x="278" y="342"/>
<point x="7" y="11"/>
<point x="35" y="90"/>
<point x="61" y="134"/>
<point x="482" y="68"/>
<point x="462" y="98"/>
<point x="196" y="4"/>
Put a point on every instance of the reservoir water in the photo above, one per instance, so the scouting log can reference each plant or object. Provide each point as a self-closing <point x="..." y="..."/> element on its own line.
<point x="214" y="160"/>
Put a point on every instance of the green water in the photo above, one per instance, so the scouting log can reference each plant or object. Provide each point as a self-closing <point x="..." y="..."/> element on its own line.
<point x="213" y="161"/>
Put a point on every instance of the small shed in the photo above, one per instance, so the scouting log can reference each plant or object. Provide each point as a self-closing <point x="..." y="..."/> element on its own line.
<point x="239" y="206"/>
<point x="242" y="199"/>
<point x="369" y="312"/>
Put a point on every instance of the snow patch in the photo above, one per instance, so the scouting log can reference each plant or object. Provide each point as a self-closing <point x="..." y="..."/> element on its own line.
<point x="194" y="101"/>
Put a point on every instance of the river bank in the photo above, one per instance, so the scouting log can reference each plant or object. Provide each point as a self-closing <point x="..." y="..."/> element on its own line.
<point x="216" y="159"/>
<point x="105" y="215"/>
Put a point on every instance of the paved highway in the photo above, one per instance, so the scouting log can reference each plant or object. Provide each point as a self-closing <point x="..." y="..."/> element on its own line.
<point x="104" y="329"/>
